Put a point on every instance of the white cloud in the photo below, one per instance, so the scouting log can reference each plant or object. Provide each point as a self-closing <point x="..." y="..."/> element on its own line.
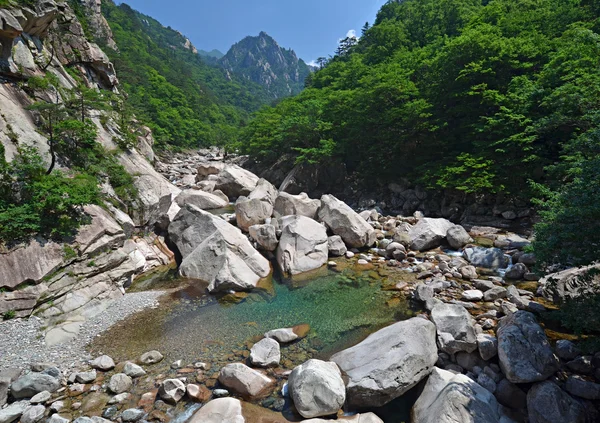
<point x="313" y="63"/>
<point x="351" y="34"/>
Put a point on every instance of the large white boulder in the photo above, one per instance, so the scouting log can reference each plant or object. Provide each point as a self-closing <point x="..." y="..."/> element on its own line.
<point x="389" y="362"/>
<point x="265" y="353"/>
<point x="265" y="236"/>
<point x="523" y="349"/>
<point x="452" y="398"/>
<point x="428" y="233"/>
<point x="201" y="199"/>
<point x="345" y="222"/>
<point x="216" y="252"/>
<point x="303" y="245"/>
<point x="244" y="381"/>
<point x="235" y="181"/>
<point x="317" y="388"/>
<point x="299" y="205"/>
<point x="491" y="258"/>
<point x="221" y="410"/>
<point x="251" y="212"/>
<point x="455" y="328"/>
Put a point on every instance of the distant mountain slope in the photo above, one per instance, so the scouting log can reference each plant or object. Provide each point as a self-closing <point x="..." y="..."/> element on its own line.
<point x="213" y="53"/>
<point x="186" y="101"/>
<point x="261" y="60"/>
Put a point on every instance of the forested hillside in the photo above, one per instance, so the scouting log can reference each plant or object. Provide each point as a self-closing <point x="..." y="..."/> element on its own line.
<point x="183" y="99"/>
<point x="477" y="96"/>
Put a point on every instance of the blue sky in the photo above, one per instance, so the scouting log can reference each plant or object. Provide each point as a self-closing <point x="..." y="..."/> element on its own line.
<point x="311" y="27"/>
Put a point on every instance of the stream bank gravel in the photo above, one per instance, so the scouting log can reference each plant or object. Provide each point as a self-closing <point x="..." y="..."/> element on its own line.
<point x="22" y="340"/>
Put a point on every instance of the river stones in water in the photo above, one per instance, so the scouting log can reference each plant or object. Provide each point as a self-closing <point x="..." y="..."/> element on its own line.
<point x="132" y="415"/>
<point x="317" y="388"/>
<point x="33" y="383"/>
<point x="86" y="377"/>
<point x="523" y="349"/>
<point x="198" y="393"/>
<point x="345" y="222"/>
<point x="287" y="335"/>
<point x="451" y="398"/>
<point x="303" y="245"/>
<point x="247" y="382"/>
<point x="103" y="363"/>
<point x="119" y="383"/>
<point x="388" y="362"/>
<point x="455" y="328"/>
<point x="265" y="353"/>
<point x="171" y="391"/>
<point x="133" y="370"/>
<point x="151" y="357"/>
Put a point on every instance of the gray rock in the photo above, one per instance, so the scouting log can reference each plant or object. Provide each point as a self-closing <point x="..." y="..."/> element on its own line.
<point x="468" y="272"/>
<point x="286" y="335"/>
<point x="488" y="346"/>
<point x="171" y="391"/>
<point x="303" y="245"/>
<point x="41" y="398"/>
<point x="517" y="271"/>
<point x="216" y="252"/>
<point x="33" y="414"/>
<point x="483" y="285"/>
<point x="133" y="370"/>
<point x="472" y="295"/>
<point x="389" y="362"/>
<point x="201" y="199"/>
<point x="265" y="353"/>
<point x="13" y="412"/>
<point x="120" y="399"/>
<point x="221" y="410"/>
<point x="452" y="398"/>
<point x="33" y="383"/>
<point x="458" y="237"/>
<point x="265" y="236"/>
<point x="582" y="388"/>
<point x="251" y="212"/>
<point x="581" y="364"/>
<point x="428" y="233"/>
<point x="235" y="181"/>
<point x="455" y="328"/>
<point x="547" y="403"/>
<point x="566" y="349"/>
<point x="120" y="383"/>
<point x="469" y="361"/>
<point x="494" y="294"/>
<point x="523" y="349"/>
<point x="297" y="205"/>
<point x="491" y="258"/>
<point x="103" y="363"/>
<point x="570" y="283"/>
<point x="245" y="381"/>
<point x="56" y="418"/>
<point x="510" y="395"/>
<point x="132" y="415"/>
<point x="486" y="382"/>
<point x="151" y="357"/>
<point x="86" y="377"/>
<point x="4" y="384"/>
<point x="336" y="245"/>
<point x="345" y="222"/>
<point x="317" y="388"/>
<point x="424" y="292"/>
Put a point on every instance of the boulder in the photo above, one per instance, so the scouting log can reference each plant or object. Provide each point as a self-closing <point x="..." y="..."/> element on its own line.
<point x="303" y="245"/>
<point x="336" y="246"/>
<point x="133" y="370"/>
<point x="566" y="349"/>
<point x="517" y="271"/>
<point x="455" y="328"/>
<point x="151" y="357"/>
<point x="468" y="272"/>
<point x="265" y="192"/>
<point x="317" y="388"/>
<point x="216" y="252"/>
<point x="210" y="168"/>
<point x="547" y="403"/>
<point x="523" y="349"/>
<point x="357" y="418"/>
<point x="221" y="410"/>
<point x="33" y="414"/>
<point x="199" y="393"/>
<point x="570" y="283"/>
<point x="265" y="353"/>
<point x="201" y="199"/>
<point x="265" y="236"/>
<point x="582" y="388"/>
<point x="490" y="258"/>
<point x="452" y="398"/>
<point x="345" y="222"/>
<point x="30" y="263"/>
<point x="428" y="233"/>
<point x="297" y="205"/>
<point x="103" y="363"/>
<point x="488" y="346"/>
<point x="244" y="381"/>
<point x="287" y="335"/>
<point x="171" y="391"/>
<point x="119" y="383"/>
<point x="510" y="395"/>
<point x="458" y="237"/>
<point x="33" y="383"/>
<point x="13" y="412"/>
<point x="235" y="181"/>
<point x="132" y="415"/>
<point x="472" y="295"/>
<point x="4" y="385"/>
<point x="251" y="212"/>
<point x="494" y="294"/>
<point x="388" y="362"/>
<point x="86" y="377"/>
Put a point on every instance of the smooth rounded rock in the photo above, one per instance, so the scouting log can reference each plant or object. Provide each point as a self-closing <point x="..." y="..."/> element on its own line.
<point x="133" y="370"/>
<point x="172" y="391"/>
<point x="151" y="357"/>
<point x="265" y="353"/>
<point x="120" y="383"/>
<point x="103" y="363"/>
<point x="245" y="381"/>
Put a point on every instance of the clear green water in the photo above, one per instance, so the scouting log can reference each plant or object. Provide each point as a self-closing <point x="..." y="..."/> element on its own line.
<point x="340" y="307"/>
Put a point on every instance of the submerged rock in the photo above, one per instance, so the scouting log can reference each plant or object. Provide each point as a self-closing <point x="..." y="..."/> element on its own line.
<point x="452" y="398"/>
<point x="389" y="362"/>
<point x="216" y="252"/>
<point x="303" y="245"/>
<point x="287" y="335"/>
<point x="317" y="388"/>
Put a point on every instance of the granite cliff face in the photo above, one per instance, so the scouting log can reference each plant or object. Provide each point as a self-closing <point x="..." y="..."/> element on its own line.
<point x="260" y="59"/>
<point x="42" y="276"/>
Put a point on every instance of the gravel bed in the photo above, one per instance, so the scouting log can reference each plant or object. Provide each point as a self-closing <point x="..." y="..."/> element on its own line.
<point x="22" y="340"/>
